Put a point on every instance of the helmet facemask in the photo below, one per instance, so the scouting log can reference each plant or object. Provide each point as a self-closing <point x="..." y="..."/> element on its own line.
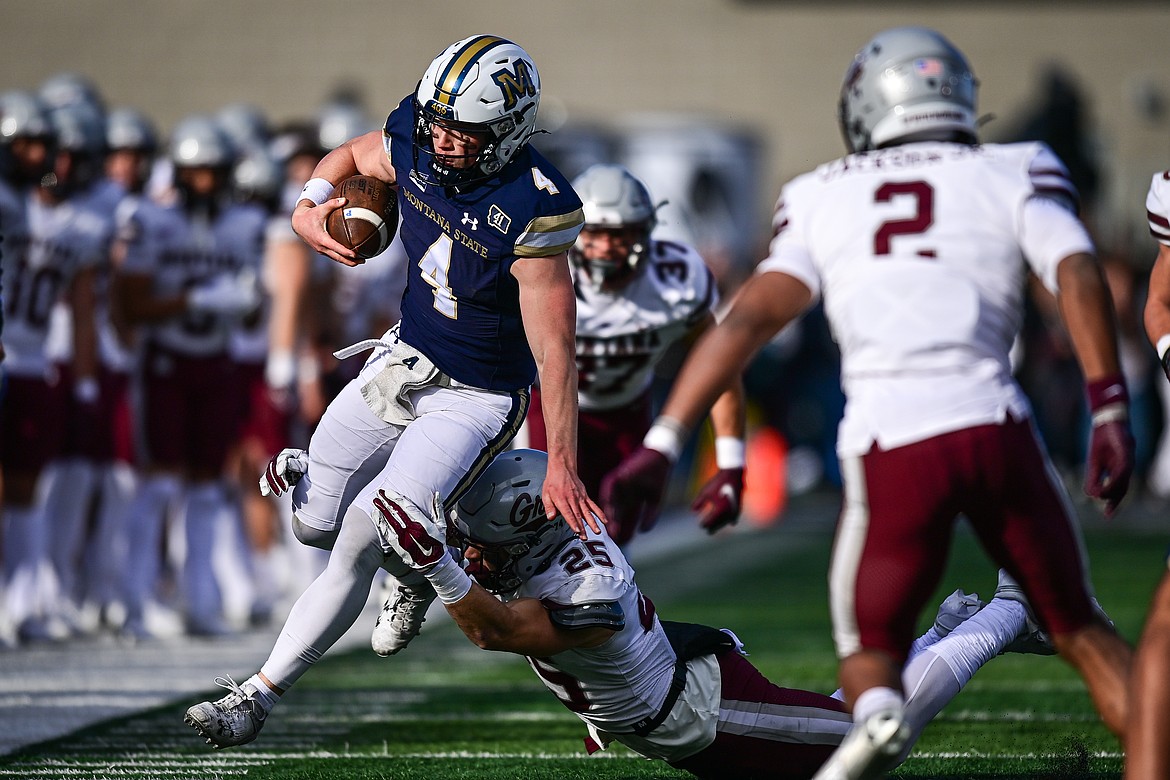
<point x="613" y="272"/>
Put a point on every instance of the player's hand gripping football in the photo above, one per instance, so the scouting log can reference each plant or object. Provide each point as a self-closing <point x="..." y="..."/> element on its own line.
<point x="720" y="500"/>
<point x="632" y="493"/>
<point x="408" y="533"/>
<point x="309" y="223"/>
<point x="283" y="471"/>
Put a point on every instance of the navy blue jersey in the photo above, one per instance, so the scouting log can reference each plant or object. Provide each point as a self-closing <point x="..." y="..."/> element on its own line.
<point x="461" y="307"/>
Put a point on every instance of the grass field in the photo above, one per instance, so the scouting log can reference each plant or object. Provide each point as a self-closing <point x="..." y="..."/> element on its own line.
<point x="444" y="709"/>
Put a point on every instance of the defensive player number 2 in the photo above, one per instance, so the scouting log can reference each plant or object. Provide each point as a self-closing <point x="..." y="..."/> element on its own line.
<point x="923" y="195"/>
<point x="436" y="266"/>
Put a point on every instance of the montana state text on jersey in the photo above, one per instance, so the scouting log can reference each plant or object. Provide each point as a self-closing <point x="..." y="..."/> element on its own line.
<point x="461" y="307"/>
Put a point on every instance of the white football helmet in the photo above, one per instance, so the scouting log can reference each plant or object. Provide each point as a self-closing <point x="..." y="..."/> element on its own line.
<point x="612" y="197"/>
<point x="70" y="89"/>
<point x="258" y="177"/>
<point x="907" y="84"/>
<point x="81" y="132"/>
<point x="23" y="115"/>
<point x="502" y="516"/>
<point x="339" y="122"/>
<point x="246" y="126"/>
<point x="482" y="84"/>
<point x="130" y="129"/>
<point x="199" y="141"/>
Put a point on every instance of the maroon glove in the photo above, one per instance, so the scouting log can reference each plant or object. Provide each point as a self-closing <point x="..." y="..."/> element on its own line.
<point x="720" y="500"/>
<point x="1109" y="464"/>
<point x="632" y="493"/>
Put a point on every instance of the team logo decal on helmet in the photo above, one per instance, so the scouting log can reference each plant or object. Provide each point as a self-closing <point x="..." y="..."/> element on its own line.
<point x="502" y="515"/>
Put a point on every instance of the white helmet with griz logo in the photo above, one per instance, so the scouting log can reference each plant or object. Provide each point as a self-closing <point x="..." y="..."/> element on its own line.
<point x="502" y="516"/>
<point x="482" y="84"/>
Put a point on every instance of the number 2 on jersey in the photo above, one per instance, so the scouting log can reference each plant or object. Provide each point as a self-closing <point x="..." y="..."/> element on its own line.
<point x="436" y="265"/>
<point x="923" y="218"/>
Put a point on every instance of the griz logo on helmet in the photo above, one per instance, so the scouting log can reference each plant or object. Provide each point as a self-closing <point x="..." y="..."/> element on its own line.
<point x="527" y="512"/>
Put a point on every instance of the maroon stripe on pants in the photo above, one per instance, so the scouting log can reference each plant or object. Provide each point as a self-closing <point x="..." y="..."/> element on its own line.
<point x="763" y="756"/>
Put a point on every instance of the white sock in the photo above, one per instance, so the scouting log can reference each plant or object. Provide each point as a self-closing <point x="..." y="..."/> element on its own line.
<point x="267" y="697"/>
<point x="879" y="699"/>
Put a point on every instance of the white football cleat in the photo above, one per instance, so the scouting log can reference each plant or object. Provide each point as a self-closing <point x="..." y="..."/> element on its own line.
<point x="869" y="749"/>
<point x="234" y="720"/>
<point x="955" y="609"/>
<point x="402" y="615"/>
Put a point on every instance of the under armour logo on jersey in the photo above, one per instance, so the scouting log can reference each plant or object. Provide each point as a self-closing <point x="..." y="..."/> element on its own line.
<point x="470" y="220"/>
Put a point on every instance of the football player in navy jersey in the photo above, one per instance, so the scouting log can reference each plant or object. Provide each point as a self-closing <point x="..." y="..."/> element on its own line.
<point x="489" y="305"/>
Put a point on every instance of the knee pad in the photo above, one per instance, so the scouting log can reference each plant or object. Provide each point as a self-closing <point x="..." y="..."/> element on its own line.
<point x="313" y="537"/>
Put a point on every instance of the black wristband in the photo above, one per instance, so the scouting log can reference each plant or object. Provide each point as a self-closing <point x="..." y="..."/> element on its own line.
<point x="1166" y="363"/>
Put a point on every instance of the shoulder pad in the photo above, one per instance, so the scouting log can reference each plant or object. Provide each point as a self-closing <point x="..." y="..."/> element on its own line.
<point x="606" y="614"/>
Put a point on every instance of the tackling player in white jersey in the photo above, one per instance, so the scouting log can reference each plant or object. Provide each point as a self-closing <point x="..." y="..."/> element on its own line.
<point x="672" y="691"/>
<point x="639" y="300"/>
<point x="919" y="242"/>
<point x="1147" y="741"/>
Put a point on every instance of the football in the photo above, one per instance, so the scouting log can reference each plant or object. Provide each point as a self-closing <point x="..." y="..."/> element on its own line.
<point x="368" y="220"/>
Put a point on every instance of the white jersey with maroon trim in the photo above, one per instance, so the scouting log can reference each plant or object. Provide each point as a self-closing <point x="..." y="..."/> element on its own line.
<point x="621" y="336"/>
<point x="626" y="678"/>
<point x="181" y="251"/>
<point x="921" y="253"/>
<point x="1158" y="207"/>
<point x="63" y="239"/>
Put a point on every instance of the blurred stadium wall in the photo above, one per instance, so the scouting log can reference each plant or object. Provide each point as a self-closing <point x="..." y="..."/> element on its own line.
<point x="767" y="68"/>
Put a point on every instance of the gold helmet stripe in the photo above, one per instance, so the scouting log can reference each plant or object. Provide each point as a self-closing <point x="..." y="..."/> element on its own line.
<point x="450" y="82"/>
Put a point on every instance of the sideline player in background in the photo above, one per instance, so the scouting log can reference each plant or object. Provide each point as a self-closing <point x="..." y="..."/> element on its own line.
<point x="924" y="293"/>
<point x="1147" y="741"/>
<point x="188" y="274"/>
<point x="486" y="221"/>
<point x="673" y="691"/>
<point x="638" y="299"/>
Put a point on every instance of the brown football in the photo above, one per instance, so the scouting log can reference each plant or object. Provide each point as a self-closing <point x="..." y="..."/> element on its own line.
<point x="368" y="220"/>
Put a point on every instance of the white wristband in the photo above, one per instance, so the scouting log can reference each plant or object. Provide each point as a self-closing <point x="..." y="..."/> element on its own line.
<point x="449" y="580"/>
<point x="667" y="436"/>
<point x="280" y="369"/>
<point x="1162" y="345"/>
<point x="316" y="190"/>
<point x="730" y="452"/>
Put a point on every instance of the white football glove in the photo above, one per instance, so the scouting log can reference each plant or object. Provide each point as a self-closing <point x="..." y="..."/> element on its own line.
<point x="233" y="295"/>
<point x="284" y="471"/>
